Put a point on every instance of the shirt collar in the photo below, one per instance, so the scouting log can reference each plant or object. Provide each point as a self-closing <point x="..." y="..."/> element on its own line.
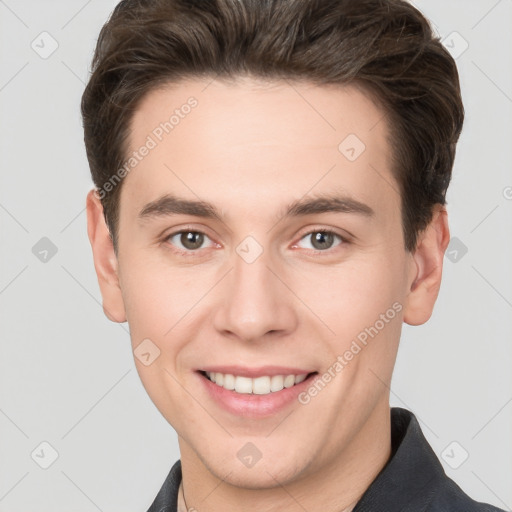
<point x="412" y="468"/>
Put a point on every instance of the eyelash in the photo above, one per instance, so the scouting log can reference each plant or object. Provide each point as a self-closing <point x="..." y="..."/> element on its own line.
<point x="193" y="253"/>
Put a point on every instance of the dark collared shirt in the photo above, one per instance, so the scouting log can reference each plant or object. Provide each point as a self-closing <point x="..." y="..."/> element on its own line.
<point x="413" y="480"/>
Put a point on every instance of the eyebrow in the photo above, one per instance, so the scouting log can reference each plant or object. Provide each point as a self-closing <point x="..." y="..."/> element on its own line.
<point x="169" y="205"/>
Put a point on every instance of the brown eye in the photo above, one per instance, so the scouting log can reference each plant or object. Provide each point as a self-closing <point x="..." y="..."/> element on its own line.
<point x="322" y="240"/>
<point x="187" y="240"/>
<point x="192" y="239"/>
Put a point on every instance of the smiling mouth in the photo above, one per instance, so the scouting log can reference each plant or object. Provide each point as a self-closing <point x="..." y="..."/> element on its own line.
<point x="263" y="385"/>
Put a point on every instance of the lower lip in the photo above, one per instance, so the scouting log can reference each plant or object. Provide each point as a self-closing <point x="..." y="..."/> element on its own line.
<point x="253" y="405"/>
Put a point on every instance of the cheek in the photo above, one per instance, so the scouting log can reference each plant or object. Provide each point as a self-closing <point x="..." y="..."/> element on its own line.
<point x="351" y="296"/>
<point x="155" y="296"/>
<point x="159" y="306"/>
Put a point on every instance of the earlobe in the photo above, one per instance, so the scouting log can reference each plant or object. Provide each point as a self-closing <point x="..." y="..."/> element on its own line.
<point x="105" y="259"/>
<point x="426" y="269"/>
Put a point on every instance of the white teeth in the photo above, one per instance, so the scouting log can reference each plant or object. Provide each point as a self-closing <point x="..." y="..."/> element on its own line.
<point x="258" y="386"/>
<point x="261" y="385"/>
<point x="300" y="378"/>
<point x="276" y="383"/>
<point x="243" y="385"/>
<point x="289" y="381"/>
<point x="229" y="382"/>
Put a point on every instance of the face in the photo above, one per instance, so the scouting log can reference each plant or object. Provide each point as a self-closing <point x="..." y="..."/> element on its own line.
<point x="294" y="265"/>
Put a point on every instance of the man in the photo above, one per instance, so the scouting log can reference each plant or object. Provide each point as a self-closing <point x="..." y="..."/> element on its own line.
<point x="269" y="209"/>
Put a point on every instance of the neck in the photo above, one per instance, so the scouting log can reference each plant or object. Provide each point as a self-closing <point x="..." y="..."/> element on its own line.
<point x="336" y="487"/>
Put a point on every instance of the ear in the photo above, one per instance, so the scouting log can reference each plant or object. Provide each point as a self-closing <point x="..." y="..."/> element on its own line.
<point x="426" y="269"/>
<point x="105" y="259"/>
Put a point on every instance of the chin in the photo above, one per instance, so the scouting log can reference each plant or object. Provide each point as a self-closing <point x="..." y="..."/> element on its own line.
<point x="264" y="474"/>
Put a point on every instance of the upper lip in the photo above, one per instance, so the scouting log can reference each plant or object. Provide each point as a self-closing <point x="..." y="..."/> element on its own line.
<point x="260" y="371"/>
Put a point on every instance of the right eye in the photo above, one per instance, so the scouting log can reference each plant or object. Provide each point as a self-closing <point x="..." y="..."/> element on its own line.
<point x="190" y="240"/>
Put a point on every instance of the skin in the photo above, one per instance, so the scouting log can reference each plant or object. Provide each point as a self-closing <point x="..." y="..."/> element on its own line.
<point x="251" y="148"/>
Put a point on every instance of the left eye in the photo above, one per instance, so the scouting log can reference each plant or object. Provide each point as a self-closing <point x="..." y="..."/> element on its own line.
<point x="322" y="240"/>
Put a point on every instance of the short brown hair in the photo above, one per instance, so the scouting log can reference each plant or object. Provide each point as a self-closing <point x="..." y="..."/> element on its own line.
<point x="385" y="46"/>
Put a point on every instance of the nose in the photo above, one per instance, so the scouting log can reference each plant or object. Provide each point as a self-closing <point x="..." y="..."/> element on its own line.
<point x="255" y="301"/>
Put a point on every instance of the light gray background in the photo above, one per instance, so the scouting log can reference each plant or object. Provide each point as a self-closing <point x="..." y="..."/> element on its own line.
<point x="67" y="374"/>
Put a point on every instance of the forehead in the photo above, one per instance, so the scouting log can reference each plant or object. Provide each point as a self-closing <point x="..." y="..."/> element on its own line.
<point x="267" y="110"/>
<point x="257" y="143"/>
